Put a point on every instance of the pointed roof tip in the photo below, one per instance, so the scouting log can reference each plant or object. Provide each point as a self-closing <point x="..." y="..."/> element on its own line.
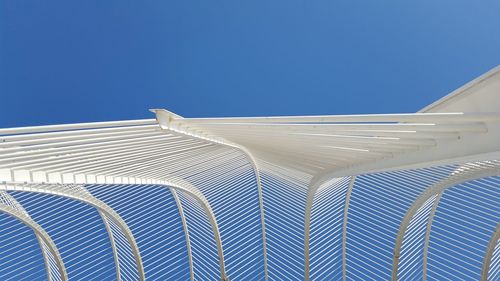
<point x="471" y="88"/>
<point x="165" y="112"/>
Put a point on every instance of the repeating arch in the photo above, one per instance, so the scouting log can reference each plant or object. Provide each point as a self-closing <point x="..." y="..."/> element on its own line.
<point x="344" y="227"/>
<point x="187" y="187"/>
<point x="492" y="246"/>
<point x="400" y="165"/>
<point x="173" y="122"/>
<point x="186" y="232"/>
<point x="50" y="252"/>
<point x="76" y="192"/>
<point x="466" y="172"/>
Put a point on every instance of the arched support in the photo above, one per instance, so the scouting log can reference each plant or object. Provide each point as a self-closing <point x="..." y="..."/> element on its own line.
<point x="253" y="162"/>
<point x="427" y="236"/>
<point x="489" y="253"/>
<point x="166" y="118"/>
<point x="113" y="245"/>
<point x="467" y="172"/>
<point x="43" y="238"/>
<point x="186" y="232"/>
<point x="344" y="226"/>
<point x="77" y="192"/>
<point x="314" y="185"/>
<point x="182" y="185"/>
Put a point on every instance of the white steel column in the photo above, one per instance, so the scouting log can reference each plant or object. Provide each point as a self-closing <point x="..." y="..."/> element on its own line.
<point x="489" y="253"/>
<point x="166" y="118"/>
<point x="182" y="185"/>
<point x="113" y="244"/>
<point x="252" y="161"/>
<point x="186" y="232"/>
<point x="313" y="186"/>
<point x="469" y="172"/>
<point x="344" y="226"/>
<point x="428" y="234"/>
<point x="41" y="235"/>
<point x="77" y="194"/>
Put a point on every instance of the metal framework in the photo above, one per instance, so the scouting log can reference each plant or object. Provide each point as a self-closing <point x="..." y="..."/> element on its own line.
<point x="77" y="192"/>
<point x="50" y="252"/>
<point x="186" y="232"/>
<point x="467" y="172"/>
<point x="490" y="270"/>
<point x="289" y="197"/>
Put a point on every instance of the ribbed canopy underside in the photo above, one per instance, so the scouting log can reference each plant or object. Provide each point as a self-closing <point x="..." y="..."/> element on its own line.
<point x="355" y="197"/>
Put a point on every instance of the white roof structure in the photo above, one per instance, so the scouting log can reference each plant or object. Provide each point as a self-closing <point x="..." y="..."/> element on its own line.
<point x="352" y="197"/>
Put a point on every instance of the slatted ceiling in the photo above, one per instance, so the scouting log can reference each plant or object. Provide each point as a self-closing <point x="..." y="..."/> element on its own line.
<point x="410" y="262"/>
<point x="98" y="139"/>
<point x="298" y="177"/>
<point x="53" y="164"/>
<point x="75" y="159"/>
<point x="77" y="231"/>
<point x="73" y="133"/>
<point x="466" y="216"/>
<point x="289" y="134"/>
<point x="20" y="255"/>
<point x="326" y="230"/>
<point x="10" y="143"/>
<point x="71" y="151"/>
<point x="293" y="161"/>
<point x="103" y="165"/>
<point x="448" y="117"/>
<point x="355" y="126"/>
<point x="151" y="213"/>
<point x="156" y="168"/>
<point x="205" y="259"/>
<point x="77" y="126"/>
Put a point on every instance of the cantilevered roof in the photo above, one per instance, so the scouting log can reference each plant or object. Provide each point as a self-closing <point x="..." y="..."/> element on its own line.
<point x="374" y="197"/>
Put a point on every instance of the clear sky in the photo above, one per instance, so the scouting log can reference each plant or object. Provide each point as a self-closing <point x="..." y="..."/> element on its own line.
<point x="77" y="61"/>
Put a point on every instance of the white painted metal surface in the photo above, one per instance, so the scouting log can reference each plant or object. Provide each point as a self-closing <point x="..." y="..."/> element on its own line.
<point x="50" y="252"/>
<point x="249" y="169"/>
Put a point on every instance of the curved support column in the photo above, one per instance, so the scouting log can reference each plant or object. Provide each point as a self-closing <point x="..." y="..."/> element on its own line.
<point x="489" y="253"/>
<point x="253" y="162"/>
<point x="47" y="255"/>
<point x="466" y="173"/>
<point x="344" y="226"/>
<point x="113" y="245"/>
<point x="166" y="118"/>
<point x="77" y="192"/>
<point x="43" y="238"/>
<point x="427" y="237"/>
<point x="182" y="185"/>
<point x="314" y="185"/>
<point x="186" y="232"/>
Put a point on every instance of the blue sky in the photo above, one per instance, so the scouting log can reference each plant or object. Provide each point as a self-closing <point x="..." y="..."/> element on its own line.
<point x="79" y="61"/>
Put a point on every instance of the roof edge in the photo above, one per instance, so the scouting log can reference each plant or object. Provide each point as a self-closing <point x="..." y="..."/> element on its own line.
<point x="462" y="91"/>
